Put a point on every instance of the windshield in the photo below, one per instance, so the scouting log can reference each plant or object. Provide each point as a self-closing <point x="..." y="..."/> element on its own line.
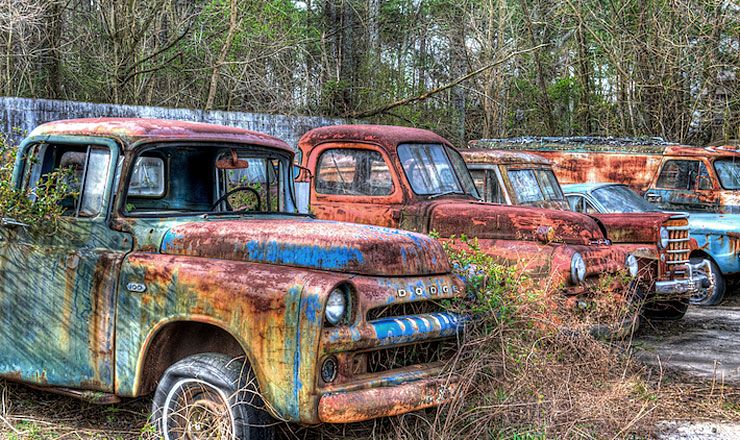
<point x="728" y="171"/>
<point x="534" y="185"/>
<point x="618" y="198"/>
<point x="185" y="180"/>
<point x="433" y="169"/>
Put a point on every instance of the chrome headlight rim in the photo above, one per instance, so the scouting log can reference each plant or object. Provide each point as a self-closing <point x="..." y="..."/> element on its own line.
<point x="664" y="238"/>
<point x="337" y="308"/>
<point x="632" y="265"/>
<point x="577" y="268"/>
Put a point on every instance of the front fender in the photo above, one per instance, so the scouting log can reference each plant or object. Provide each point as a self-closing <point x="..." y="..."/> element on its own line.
<point x="272" y="311"/>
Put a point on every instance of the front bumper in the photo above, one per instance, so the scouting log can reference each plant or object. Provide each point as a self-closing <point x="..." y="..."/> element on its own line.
<point x="697" y="279"/>
<point x="366" y="404"/>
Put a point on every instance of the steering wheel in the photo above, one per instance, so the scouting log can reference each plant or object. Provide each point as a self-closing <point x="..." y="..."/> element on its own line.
<point x="234" y="191"/>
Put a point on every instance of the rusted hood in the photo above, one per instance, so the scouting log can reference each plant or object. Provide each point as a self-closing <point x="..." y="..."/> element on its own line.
<point x="311" y="244"/>
<point x="492" y="221"/>
<point x="642" y="227"/>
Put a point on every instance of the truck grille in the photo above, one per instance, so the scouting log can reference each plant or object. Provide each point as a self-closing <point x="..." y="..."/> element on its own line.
<point x="677" y="252"/>
<point x="404" y="309"/>
<point x="392" y="358"/>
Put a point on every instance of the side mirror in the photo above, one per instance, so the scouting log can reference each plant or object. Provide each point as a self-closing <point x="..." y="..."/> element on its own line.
<point x="297" y="171"/>
<point x="703" y="182"/>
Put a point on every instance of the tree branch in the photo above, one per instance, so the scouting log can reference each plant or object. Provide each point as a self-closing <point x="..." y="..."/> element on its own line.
<point x="432" y="92"/>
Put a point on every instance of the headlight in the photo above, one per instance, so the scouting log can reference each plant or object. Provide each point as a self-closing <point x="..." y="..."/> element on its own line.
<point x="336" y="306"/>
<point x="632" y="266"/>
<point x="577" y="268"/>
<point x="663" y="237"/>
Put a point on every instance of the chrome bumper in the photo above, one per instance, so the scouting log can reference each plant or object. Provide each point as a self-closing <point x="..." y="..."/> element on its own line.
<point x="698" y="278"/>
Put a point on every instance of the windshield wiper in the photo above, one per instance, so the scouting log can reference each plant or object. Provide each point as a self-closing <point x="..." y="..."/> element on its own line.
<point x="445" y="193"/>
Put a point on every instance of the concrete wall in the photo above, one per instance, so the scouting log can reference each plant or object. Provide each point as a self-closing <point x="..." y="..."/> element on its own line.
<point x="18" y="116"/>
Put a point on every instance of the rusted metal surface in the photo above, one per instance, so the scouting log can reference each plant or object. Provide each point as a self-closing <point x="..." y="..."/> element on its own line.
<point x="540" y="241"/>
<point x="113" y="300"/>
<point x="132" y="131"/>
<point x="634" y="162"/>
<point x="718" y="235"/>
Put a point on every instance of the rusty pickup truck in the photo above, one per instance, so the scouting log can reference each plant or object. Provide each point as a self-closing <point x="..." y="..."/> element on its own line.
<point x="673" y="177"/>
<point x="184" y="270"/>
<point x="414" y="179"/>
<point x="661" y="240"/>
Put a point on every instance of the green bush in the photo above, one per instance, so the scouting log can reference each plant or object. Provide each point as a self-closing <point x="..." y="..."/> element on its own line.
<point x="40" y="206"/>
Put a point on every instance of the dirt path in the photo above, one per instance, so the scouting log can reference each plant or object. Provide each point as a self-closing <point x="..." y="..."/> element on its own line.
<point x="705" y="344"/>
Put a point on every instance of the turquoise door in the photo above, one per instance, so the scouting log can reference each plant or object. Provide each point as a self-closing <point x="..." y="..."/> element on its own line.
<point x="58" y="292"/>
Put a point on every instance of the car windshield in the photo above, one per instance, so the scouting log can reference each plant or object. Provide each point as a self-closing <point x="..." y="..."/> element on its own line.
<point x="534" y="185"/>
<point x="618" y="198"/>
<point x="184" y="180"/>
<point x="728" y="171"/>
<point x="435" y="170"/>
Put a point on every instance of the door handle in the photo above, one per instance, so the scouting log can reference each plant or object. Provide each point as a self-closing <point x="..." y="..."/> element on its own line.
<point x="653" y="197"/>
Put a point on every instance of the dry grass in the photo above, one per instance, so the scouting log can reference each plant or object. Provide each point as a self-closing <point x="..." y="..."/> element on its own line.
<point x="524" y="377"/>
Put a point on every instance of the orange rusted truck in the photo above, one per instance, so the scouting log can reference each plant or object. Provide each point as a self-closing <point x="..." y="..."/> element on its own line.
<point x="661" y="240"/>
<point x="673" y="177"/>
<point x="416" y="180"/>
<point x="182" y="269"/>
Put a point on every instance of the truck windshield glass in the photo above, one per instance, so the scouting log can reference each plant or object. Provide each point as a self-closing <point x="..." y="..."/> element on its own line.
<point x="184" y="180"/>
<point x="433" y="169"/>
<point x="618" y="198"/>
<point x="728" y="171"/>
<point x="532" y="186"/>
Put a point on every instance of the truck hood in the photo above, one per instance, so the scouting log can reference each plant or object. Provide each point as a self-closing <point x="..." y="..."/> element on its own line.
<point x="641" y="227"/>
<point x="310" y="244"/>
<point x="502" y="222"/>
<point x="709" y="223"/>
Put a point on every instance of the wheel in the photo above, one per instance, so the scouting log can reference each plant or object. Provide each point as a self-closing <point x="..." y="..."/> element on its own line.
<point x="666" y="310"/>
<point x="210" y="396"/>
<point x="714" y="295"/>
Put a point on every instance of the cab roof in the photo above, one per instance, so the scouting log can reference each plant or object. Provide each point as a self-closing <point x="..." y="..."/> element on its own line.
<point x="387" y="136"/>
<point x="587" y="188"/>
<point x="494" y="157"/>
<point x="131" y="131"/>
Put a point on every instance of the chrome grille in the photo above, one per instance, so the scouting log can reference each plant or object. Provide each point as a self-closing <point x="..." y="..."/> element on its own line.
<point x="677" y="252"/>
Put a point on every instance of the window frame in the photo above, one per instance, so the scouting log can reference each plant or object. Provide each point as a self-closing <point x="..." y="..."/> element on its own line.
<point x="114" y="150"/>
<point x="682" y="159"/>
<point x="315" y="157"/>
<point x="494" y="173"/>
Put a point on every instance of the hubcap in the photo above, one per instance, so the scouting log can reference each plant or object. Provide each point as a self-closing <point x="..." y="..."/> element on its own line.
<point x="195" y="410"/>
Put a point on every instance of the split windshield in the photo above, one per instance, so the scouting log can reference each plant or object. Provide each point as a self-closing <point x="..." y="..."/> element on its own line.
<point x="618" y="198"/>
<point x="435" y="170"/>
<point x="187" y="179"/>
<point x="728" y="171"/>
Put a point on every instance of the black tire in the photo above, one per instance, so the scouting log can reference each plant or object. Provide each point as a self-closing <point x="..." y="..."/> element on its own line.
<point x="666" y="310"/>
<point x="208" y="396"/>
<point x="714" y="296"/>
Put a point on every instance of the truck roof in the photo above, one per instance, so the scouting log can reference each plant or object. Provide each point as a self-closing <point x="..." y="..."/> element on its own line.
<point x="135" y="130"/>
<point x="505" y="157"/>
<point x="587" y="187"/>
<point x="388" y="136"/>
<point x="596" y="144"/>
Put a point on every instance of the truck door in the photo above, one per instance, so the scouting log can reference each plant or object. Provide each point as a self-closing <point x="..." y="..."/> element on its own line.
<point x="684" y="185"/>
<point x="57" y="291"/>
<point x="355" y="183"/>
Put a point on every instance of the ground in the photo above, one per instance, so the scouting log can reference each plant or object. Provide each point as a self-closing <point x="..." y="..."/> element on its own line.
<point x="702" y="350"/>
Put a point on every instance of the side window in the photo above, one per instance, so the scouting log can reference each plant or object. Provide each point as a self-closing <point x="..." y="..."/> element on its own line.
<point x="86" y="169"/>
<point x="147" y="178"/>
<point x="683" y="175"/>
<point x="488" y="186"/>
<point x="525" y="185"/>
<point x="575" y="203"/>
<point x="353" y="172"/>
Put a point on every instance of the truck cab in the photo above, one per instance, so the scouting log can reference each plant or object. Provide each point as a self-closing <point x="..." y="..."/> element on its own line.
<point x="414" y="179"/>
<point x="182" y="269"/>
<point x="673" y="177"/>
<point x="659" y="239"/>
